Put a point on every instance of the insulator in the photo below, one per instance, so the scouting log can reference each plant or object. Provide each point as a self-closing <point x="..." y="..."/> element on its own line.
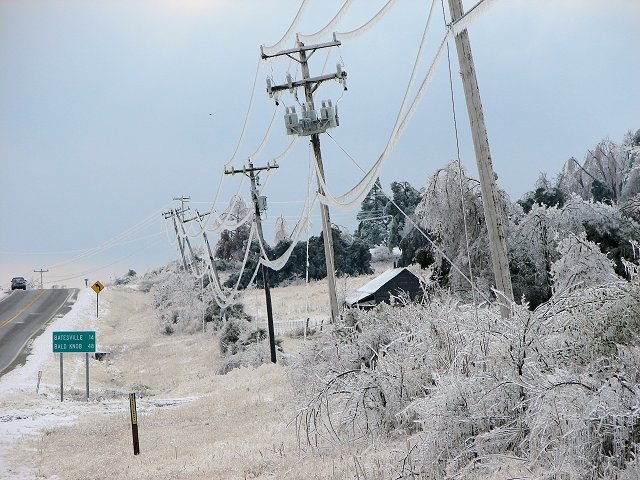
<point x="269" y="88"/>
<point x="290" y="82"/>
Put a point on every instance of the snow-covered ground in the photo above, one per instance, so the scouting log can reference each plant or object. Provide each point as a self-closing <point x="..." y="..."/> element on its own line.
<point x="193" y="422"/>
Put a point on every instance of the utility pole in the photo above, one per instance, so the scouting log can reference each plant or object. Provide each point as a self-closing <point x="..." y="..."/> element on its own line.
<point x="193" y="263"/>
<point x="311" y="125"/>
<point x="172" y="214"/>
<point x="492" y="209"/>
<point x="182" y="199"/>
<point x="250" y="170"/>
<point x="41" y="271"/>
<point x="199" y="216"/>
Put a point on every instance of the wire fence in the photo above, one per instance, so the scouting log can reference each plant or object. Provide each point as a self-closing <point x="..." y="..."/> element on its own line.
<point x="295" y="326"/>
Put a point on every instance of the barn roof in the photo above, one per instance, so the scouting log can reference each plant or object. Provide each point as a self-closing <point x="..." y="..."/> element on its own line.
<point x="367" y="290"/>
<point x="381" y="280"/>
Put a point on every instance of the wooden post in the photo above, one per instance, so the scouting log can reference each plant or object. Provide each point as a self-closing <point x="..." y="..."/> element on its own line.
<point x="324" y="209"/>
<point x="492" y="210"/>
<point x="134" y="423"/>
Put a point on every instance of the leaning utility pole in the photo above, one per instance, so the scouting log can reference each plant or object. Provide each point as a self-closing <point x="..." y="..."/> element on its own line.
<point x="182" y="199"/>
<point x="193" y="263"/>
<point x="172" y="214"/>
<point x="312" y="125"/>
<point x="199" y="216"/>
<point x="259" y="202"/>
<point x="41" y="271"/>
<point x="492" y="209"/>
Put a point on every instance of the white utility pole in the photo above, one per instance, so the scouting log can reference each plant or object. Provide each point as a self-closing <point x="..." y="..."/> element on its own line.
<point x="313" y="127"/>
<point x="492" y="211"/>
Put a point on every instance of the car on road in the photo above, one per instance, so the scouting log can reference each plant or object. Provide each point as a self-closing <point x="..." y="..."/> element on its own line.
<point x="18" y="283"/>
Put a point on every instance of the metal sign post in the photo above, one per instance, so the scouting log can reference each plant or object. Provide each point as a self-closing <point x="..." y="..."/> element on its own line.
<point x="61" y="379"/>
<point x="86" y="367"/>
<point x="70" y="342"/>
<point x="97" y="287"/>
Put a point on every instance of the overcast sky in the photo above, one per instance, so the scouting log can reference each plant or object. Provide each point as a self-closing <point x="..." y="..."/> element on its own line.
<point x="109" y="109"/>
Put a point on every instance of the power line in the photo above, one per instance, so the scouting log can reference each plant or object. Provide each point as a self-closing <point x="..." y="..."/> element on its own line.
<point x="420" y="230"/>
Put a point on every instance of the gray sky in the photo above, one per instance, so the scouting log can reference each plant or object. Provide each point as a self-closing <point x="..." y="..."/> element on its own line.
<point x="108" y="109"/>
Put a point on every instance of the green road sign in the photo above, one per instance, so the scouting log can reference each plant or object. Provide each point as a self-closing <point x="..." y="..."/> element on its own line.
<point x="65" y="342"/>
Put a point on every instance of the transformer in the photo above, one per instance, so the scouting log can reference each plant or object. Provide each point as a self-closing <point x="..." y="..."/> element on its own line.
<point x="291" y="122"/>
<point x="262" y="203"/>
<point x="310" y="123"/>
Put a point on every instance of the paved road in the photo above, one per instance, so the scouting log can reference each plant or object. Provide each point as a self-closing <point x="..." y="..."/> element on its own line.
<point x="25" y="314"/>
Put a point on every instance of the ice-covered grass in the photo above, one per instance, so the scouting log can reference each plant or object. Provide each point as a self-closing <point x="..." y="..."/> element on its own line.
<point x="197" y="424"/>
<point x="193" y="423"/>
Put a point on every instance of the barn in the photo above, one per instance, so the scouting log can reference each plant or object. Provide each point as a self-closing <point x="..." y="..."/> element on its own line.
<point x="392" y="283"/>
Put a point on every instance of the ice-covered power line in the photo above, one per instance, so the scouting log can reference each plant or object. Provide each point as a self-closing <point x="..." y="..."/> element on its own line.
<point x="267" y="135"/>
<point x="420" y="230"/>
<point x="292" y="28"/>
<point x="54" y="279"/>
<point x="368" y="25"/>
<point x="354" y="197"/>
<point x="117" y="240"/>
<point x="328" y="28"/>
<point x="231" y="161"/>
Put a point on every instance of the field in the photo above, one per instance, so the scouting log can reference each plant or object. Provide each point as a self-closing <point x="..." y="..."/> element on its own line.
<point x="194" y="423"/>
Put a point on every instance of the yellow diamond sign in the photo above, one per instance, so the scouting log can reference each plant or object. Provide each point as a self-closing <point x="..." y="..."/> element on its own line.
<point x="97" y="287"/>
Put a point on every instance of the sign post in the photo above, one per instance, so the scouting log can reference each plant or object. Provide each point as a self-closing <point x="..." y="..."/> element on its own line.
<point x="74" y="342"/>
<point x="97" y="287"/>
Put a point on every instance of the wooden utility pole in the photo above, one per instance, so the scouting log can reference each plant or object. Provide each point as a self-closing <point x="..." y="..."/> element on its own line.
<point x="199" y="216"/>
<point x="492" y="210"/>
<point x="41" y="271"/>
<point x="310" y="85"/>
<point x="194" y="264"/>
<point x="182" y="199"/>
<point x="173" y="214"/>
<point x="250" y="171"/>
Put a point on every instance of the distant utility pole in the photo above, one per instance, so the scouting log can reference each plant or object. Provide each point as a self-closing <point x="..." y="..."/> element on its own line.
<point x="41" y="272"/>
<point x="182" y="199"/>
<point x="193" y="263"/>
<point x="172" y="214"/>
<point x="199" y="216"/>
<point x="492" y="210"/>
<point x="311" y="125"/>
<point x="259" y="202"/>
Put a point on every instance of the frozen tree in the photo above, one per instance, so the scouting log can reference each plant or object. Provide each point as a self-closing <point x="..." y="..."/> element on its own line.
<point x="440" y="212"/>
<point x="580" y="263"/>
<point x="609" y="173"/>
<point x="373" y="228"/>
<point x="532" y="240"/>
<point x="236" y="210"/>
<point x="554" y="389"/>
<point x="406" y="198"/>
<point x="281" y="234"/>
<point x="232" y="243"/>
